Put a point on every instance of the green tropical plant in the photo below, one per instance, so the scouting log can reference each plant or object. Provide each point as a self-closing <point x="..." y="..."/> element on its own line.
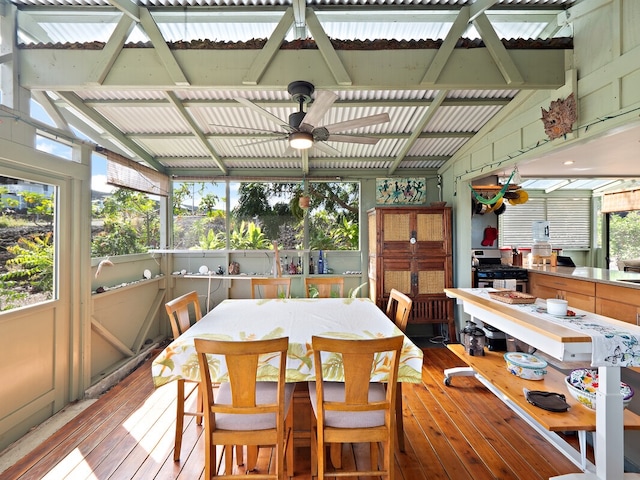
<point x="10" y="297"/>
<point x="211" y="241"/>
<point x="249" y="236"/>
<point x="131" y="224"/>
<point x="32" y="263"/>
<point x="117" y="239"/>
<point x="346" y="234"/>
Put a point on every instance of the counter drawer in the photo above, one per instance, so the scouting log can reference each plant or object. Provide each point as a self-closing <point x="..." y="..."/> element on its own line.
<point x="577" y="286"/>
<point x="620" y="311"/>
<point x="619" y="294"/>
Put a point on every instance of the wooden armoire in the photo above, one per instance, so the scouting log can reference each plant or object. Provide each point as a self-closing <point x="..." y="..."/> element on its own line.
<point x="410" y="249"/>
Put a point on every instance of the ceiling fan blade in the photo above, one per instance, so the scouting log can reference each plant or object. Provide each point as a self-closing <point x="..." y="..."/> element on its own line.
<point x="358" y="123"/>
<point x="320" y="106"/>
<point x="353" y="139"/>
<point x="327" y="148"/>
<point x="246" y="128"/>
<point x="264" y="113"/>
<point x="258" y="142"/>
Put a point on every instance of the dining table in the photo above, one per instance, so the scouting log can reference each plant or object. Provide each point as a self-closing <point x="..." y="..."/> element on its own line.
<point x="296" y="318"/>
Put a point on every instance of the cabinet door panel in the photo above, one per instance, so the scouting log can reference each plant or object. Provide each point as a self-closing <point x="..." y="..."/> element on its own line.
<point x="614" y="309"/>
<point x="396" y="233"/>
<point x="398" y="279"/>
<point x="434" y="275"/>
<point x="432" y="233"/>
<point x="583" y="302"/>
<point x="540" y="291"/>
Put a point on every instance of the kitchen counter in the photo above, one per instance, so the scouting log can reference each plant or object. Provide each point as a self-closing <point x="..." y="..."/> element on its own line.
<point x="598" y="275"/>
<point x="597" y="290"/>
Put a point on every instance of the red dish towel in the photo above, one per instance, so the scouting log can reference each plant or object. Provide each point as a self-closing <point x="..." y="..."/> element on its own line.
<point x="490" y="236"/>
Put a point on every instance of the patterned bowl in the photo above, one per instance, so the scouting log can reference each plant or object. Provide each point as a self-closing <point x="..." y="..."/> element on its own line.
<point x="525" y="365"/>
<point x="583" y="383"/>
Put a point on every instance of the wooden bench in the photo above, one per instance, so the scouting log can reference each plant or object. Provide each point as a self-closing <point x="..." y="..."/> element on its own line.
<point x="491" y="370"/>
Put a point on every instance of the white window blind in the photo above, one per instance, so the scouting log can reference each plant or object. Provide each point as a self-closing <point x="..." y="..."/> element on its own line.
<point x="126" y="173"/>
<point x="569" y="222"/>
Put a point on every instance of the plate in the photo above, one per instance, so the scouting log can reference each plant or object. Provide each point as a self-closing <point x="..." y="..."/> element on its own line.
<point x="203" y="269"/>
<point x="566" y="317"/>
<point x="147" y="274"/>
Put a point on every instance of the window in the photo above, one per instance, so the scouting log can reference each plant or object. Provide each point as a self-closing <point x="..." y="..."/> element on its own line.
<point x="124" y="221"/>
<point x="569" y="221"/>
<point x="27" y="257"/>
<point x="261" y="213"/>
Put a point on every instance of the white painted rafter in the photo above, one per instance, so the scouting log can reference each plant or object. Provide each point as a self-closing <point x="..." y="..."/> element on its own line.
<point x="175" y="101"/>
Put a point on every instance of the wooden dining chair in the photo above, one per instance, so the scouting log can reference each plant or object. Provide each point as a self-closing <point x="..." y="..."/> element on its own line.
<point x="398" y="310"/>
<point x="180" y="311"/>
<point x="270" y="287"/>
<point x="246" y="411"/>
<point x="357" y="409"/>
<point x="324" y="286"/>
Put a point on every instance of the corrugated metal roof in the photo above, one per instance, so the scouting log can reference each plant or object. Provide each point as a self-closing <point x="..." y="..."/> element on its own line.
<point x="212" y="127"/>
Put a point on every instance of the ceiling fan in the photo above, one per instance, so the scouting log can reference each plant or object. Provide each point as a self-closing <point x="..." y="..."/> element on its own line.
<point x="303" y="131"/>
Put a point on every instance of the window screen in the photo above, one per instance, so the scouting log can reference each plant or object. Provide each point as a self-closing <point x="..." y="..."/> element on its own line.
<point x="569" y="221"/>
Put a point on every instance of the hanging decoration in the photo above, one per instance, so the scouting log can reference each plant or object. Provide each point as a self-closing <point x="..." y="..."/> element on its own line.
<point x="511" y="193"/>
<point x="560" y="117"/>
<point x="490" y="201"/>
<point x="304" y="200"/>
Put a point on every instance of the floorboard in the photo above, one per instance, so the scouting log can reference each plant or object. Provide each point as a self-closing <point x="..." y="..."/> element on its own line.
<point x="458" y="432"/>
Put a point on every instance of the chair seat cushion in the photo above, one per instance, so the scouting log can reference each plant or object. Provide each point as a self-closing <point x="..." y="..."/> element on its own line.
<point x="266" y="392"/>
<point x="334" y="392"/>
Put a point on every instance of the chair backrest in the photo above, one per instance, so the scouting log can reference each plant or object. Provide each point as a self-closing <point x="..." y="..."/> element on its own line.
<point x="324" y="286"/>
<point x="270" y="287"/>
<point x="360" y="361"/>
<point x="243" y="359"/>
<point x="179" y="310"/>
<point x="399" y="308"/>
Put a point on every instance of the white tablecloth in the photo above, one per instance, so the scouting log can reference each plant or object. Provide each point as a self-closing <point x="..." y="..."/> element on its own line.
<point x="298" y="319"/>
<point x="613" y="342"/>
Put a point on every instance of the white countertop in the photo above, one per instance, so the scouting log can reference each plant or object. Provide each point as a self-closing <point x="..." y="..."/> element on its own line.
<point x="601" y="275"/>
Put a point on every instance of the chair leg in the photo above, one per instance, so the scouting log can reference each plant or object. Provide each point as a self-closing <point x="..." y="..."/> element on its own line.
<point x="313" y="440"/>
<point x="335" y="450"/>
<point x="374" y="450"/>
<point x="228" y="459"/>
<point x="399" y="417"/>
<point x="200" y="406"/>
<point x="252" y="458"/>
<point x="179" y="420"/>
<point x="288" y="438"/>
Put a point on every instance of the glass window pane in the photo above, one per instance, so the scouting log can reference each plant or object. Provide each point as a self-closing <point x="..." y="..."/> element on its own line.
<point x="124" y="221"/>
<point x="261" y="213"/>
<point x="27" y="258"/>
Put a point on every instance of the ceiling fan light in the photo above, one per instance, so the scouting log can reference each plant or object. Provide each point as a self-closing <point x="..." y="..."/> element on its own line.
<point x="301" y="140"/>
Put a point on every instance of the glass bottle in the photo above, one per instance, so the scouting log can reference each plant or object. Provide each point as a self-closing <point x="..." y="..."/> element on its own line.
<point x="320" y="262"/>
<point x="311" y="266"/>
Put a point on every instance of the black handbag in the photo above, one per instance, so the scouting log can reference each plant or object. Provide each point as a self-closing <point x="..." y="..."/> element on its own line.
<point x="551" y="401"/>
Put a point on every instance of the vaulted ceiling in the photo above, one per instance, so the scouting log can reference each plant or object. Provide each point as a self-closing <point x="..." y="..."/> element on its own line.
<point x="198" y="88"/>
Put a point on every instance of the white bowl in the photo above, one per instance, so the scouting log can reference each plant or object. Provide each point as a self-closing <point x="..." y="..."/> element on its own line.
<point x="556" y="306"/>
<point x="583" y="383"/>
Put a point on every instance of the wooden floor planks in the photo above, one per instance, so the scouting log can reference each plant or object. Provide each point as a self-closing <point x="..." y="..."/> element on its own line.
<point x="452" y="433"/>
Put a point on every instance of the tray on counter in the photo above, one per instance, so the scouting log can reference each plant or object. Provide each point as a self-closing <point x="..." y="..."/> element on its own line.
<point x="512" y="297"/>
